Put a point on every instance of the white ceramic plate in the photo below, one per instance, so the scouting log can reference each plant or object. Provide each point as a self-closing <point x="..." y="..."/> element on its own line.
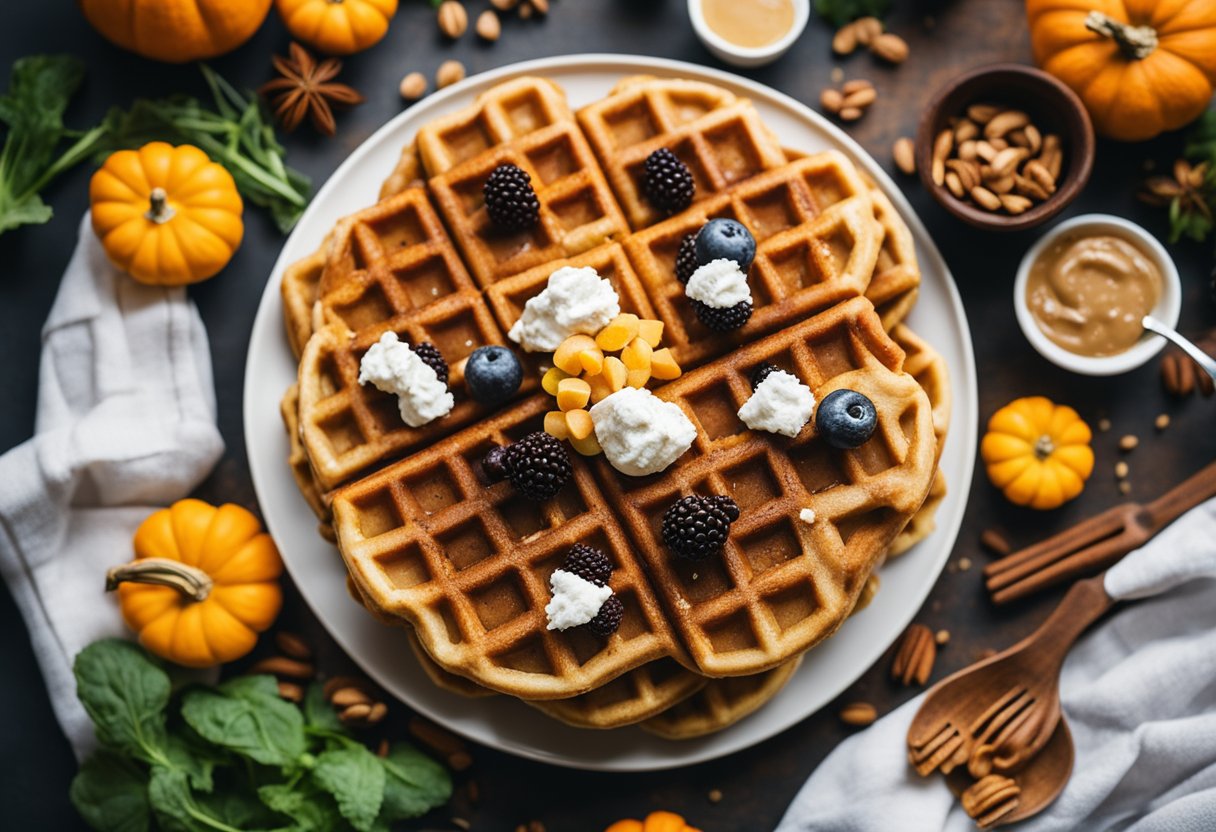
<point x="499" y="721"/>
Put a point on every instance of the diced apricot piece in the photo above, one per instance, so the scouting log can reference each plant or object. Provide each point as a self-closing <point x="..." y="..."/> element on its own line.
<point x="636" y="355"/>
<point x="550" y="380"/>
<point x="615" y="372"/>
<point x="566" y="357"/>
<point x="555" y="424"/>
<point x="587" y="446"/>
<point x="592" y="361"/>
<point x="663" y="365"/>
<point x="638" y="378"/>
<point x="572" y="393"/>
<point x="579" y="423"/>
<point x="618" y="332"/>
<point x="601" y="387"/>
<point x="651" y="332"/>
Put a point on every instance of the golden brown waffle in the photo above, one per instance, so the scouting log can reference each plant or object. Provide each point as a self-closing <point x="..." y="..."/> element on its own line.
<point x="896" y="282"/>
<point x="297" y="458"/>
<point x="467" y="562"/>
<point x="347" y="427"/>
<point x="389" y="261"/>
<point x="924" y="522"/>
<point x="577" y="210"/>
<point x="301" y="282"/>
<point x="407" y="173"/>
<point x="718" y="135"/>
<point x="720" y="704"/>
<point x="441" y="678"/>
<point x="817" y="244"/>
<point x="782" y="584"/>
<point x="501" y="114"/>
<point x="629" y="698"/>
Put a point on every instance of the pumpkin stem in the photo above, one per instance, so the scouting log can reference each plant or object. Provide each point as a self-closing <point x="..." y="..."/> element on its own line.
<point x="1044" y="448"/>
<point x="159" y="211"/>
<point x="1135" y="42"/>
<point x="190" y="581"/>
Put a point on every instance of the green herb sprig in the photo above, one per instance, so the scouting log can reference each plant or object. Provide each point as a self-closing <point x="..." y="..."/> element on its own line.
<point x="840" y="12"/>
<point x="1190" y="192"/>
<point x="232" y="758"/>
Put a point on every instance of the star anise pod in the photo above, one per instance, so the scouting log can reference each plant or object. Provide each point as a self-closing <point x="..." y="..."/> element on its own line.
<point x="305" y="88"/>
<point x="1186" y="185"/>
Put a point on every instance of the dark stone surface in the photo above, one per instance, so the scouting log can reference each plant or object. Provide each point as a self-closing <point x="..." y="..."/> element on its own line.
<point x="36" y="764"/>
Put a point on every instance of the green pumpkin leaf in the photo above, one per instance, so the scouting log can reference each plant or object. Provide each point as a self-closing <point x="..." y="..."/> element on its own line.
<point x="111" y="794"/>
<point x="246" y="715"/>
<point x="355" y="777"/>
<point x="125" y="694"/>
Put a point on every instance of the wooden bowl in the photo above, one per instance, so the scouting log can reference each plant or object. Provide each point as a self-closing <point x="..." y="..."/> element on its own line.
<point x="1052" y="107"/>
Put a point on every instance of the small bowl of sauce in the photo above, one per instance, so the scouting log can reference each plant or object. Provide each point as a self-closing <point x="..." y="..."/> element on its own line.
<point x="1083" y="289"/>
<point x="748" y="33"/>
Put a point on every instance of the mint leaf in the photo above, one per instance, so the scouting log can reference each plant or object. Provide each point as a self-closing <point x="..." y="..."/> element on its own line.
<point x="414" y="783"/>
<point x="246" y="715"/>
<point x="125" y="694"/>
<point x="169" y="793"/>
<point x="111" y="794"/>
<point x="840" y="12"/>
<point x="18" y="211"/>
<point x="355" y="777"/>
<point x="318" y="713"/>
<point x="310" y="809"/>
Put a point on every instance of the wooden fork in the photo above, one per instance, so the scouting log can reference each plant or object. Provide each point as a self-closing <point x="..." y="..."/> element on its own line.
<point x="1096" y="543"/>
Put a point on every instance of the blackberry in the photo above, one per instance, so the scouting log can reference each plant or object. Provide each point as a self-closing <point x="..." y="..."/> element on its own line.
<point x="723" y="320"/>
<point x="537" y="465"/>
<point x="762" y="372"/>
<point x="696" y="527"/>
<point x="433" y="358"/>
<point x="669" y="185"/>
<point x="510" y="200"/>
<point x="608" y="619"/>
<point x="686" y="259"/>
<point x="588" y="563"/>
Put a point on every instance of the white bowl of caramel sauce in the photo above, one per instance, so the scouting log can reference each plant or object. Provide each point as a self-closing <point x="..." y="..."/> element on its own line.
<point x="1084" y="287"/>
<point x="748" y="33"/>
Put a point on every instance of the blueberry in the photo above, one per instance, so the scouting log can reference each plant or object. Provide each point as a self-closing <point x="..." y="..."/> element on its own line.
<point x="493" y="374"/>
<point x="723" y="239"/>
<point x="846" y="419"/>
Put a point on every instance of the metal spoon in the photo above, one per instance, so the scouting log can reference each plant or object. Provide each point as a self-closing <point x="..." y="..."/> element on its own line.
<point x="1200" y="357"/>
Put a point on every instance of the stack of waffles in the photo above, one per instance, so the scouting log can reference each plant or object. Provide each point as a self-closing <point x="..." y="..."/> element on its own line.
<point x="463" y="563"/>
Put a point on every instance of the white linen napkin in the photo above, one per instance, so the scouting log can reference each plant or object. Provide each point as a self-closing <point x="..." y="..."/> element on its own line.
<point x="125" y="423"/>
<point x="1139" y="692"/>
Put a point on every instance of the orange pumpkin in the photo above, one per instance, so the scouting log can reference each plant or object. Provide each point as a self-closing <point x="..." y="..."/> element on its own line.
<point x="655" y="822"/>
<point x="176" y="31"/>
<point x="166" y="215"/>
<point x="203" y="585"/>
<point x="1141" y="66"/>
<point x="1037" y="452"/>
<point x="337" y="27"/>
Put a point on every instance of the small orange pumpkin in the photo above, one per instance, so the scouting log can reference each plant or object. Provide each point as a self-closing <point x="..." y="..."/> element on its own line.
<point x="655" y="822"/>
<point x="177" y="31"/>
<point x="203" y="585"/>
<point x="1037" y="452"/>
<point x="1141" y="66"/>
<point x="337" y="27"/>
<point x="166" y="215"/>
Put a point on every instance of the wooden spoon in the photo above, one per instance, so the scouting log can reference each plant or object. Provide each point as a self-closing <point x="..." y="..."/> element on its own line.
<point x="995" y="715"/>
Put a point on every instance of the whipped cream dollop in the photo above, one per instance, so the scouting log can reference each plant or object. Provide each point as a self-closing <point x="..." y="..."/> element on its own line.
<point x="720" y="284"/>
<point x="780" y="404"/>
<point x="807" y="515"/>
<point x="575" y="600"/>
<point x="573" y="301"/>
<point x="392" y="367"/>
<point x="640" y="433"/>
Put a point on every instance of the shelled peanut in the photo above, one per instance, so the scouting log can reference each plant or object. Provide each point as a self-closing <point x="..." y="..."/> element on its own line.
<point x="585" y="372"/>
<point x="850" y="101"/>
<point x="868" y="32"/>
<point x="996" y="158"/>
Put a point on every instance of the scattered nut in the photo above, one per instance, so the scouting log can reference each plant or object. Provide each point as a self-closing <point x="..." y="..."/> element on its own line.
<point x="413" y="86"/>
<point x="1129" y="442"/>
<point x="291" y="691"/>
<point x="982" y="113"/>
<point x="850" y="102"/>
<point x="1121" y="470"/>
<point x="1104" y="424"/>
<point x="525" y="10"/>
<point x="345" y="697"/>
<point x="914" y="659"/>
<point x="831" y="100"/>
<point x="995" y="542"/>
<point x="715" y="795"/>
<point x="891" y="48"/>
<point x="845" y="39"/>
<point x="488" y="26"/>
<point x="1162" y="421"/>
<point x="859" y="97"/>
<point x="504" y="5"/>
<point x="858" y="714"/>
<point x="541" y="6"/>
<point x="462" y="823"/>
<point x="942" y="637"/>
<point x="453" y="19"/>
<point x="293" y="646"/>
<point x="856" y="85"/>
<point x="282" y="666"/>
<point x="868" y="28"/>
<point x="904" y="152"/>
<point x="850" y="113"/>
<point x="964" y="563"/>
<point x="1125" y="487"/>
<point x="449" y="72"/>
<point x="1181" y="376"/>
<point x="442" y="742"/>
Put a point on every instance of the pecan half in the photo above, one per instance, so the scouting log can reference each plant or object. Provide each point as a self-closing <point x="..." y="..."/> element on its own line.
<point x="914" y="659"/>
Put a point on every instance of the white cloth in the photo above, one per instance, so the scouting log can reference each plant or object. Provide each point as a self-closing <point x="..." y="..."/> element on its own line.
<point x="126" y="422"/>
<point x="1139" y="692"/>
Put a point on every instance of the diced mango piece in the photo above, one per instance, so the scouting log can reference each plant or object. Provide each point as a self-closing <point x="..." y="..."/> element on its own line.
<point x="601" y="387"/>
<point x="579" y="423"/>
<point x="572" y="393"/>
<point x="615" y="372"/>
<point x="592" y="361"/>
<point x="663" y="365"/>
<point x="555" y="425"/>
<point x="636" y="355"/>
<point x="567" y="355"/>
<point x="619" y="331"/>
<point x="550" y="380"/>
<point x="651" y="332"/>
<point x="587" y="446"/>
<point x="638" y="378"/>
